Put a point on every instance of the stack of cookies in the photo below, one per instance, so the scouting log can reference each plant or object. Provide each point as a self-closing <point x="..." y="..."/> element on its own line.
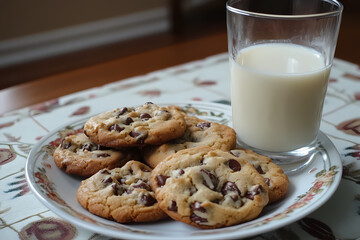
<point x="149" y="163"/>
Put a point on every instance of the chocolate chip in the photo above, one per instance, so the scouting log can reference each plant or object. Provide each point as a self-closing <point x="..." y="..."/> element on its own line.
<point x="129" y="191"/>
<point x="255" y="191"/>
<point x="128" y="121"/>
<point x="145" y="116"/>
<point x="65" y="144"/>
<point x="147" y="199"/>
<point x="115" y="127"/>
<point x="209" y="179"/>
<point x="258" y="189"/>
<point x="161" y="180"/>
<point x="108" y="180"/>
<point x="196" y="206"/>
<point x="141" y="140"/>
<point x="250" y="196"/>
<point x="134" y="134"/>
<point x="121" y="112"/>
<point x="196" y="219"/>
<point x="234" y="165"/>
<point x="173" y="206"/>
<point x="99" y="147"/>
<point x="148" y="103"/>
<point x="114" y="187"/>
<point x="102" y="155"/>
<point x="181" y="172"/>
<point x="235" y="153"/>
<point x="259" y="169"/>
<point x="230" y="187"/>
<point x="267" y="181"/>
<point x="104" y="171"/>
<point x="117" y="189"/>
<point x="89" y="147"/>
<point x="203" y="125"/>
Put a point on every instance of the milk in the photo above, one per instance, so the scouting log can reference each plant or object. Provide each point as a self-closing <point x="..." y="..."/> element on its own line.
<point x="277" y="95"/>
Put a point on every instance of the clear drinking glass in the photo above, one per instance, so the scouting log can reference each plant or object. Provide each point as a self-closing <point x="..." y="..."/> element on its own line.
<point x="280" y="53"/>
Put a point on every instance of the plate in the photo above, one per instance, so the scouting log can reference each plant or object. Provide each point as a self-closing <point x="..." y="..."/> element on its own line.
<point x="308" y="190"/>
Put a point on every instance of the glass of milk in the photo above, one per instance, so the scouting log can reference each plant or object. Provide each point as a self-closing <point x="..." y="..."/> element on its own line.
<point x="280" y="53"/>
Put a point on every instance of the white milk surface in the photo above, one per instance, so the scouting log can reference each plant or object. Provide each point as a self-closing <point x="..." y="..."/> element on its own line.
<point x="277" y="94"/>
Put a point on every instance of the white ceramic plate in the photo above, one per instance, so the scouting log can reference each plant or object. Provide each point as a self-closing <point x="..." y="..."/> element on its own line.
<point x="308" y="190"/>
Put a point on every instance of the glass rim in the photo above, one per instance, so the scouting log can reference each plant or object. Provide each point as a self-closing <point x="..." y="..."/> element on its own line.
<point x="287" y="16"/>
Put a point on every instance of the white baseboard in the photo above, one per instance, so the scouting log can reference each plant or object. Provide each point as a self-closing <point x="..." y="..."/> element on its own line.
<point x="82" y="36"/>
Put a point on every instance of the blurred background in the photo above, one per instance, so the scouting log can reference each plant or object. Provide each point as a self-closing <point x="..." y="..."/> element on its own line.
<point x="39" y="38"/>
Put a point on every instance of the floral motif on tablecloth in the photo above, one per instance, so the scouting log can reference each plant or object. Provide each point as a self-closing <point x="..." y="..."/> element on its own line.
<point x="48" y="229"/>
<point x="45" y="106"/>
<point x="351" y="173"/>
<point x="150" y="93"/>
<point x="316" y="228"/>
<point x="81" y="111"/>
<point x="6" y="156"/>
<point x="351" y="170"/>
<point x="351" y="126"/>
<point x="199" y="82"/>
<point x="15" y="148"/>
<point x="19" y="185"/>
<point x="7" y="124"/>
<point x="352" y="76"/>
<point x="10" y="153"/>
<point x="354" y="151"/>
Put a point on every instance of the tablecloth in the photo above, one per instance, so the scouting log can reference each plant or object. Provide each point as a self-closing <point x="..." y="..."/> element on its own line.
<point x="22" y="216"/>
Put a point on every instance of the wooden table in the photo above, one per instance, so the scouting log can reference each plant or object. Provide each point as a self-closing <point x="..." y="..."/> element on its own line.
<point x="64" y="83"/>
<point x="68" y="82"/>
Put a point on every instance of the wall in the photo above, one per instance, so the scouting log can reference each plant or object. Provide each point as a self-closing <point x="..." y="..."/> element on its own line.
<point x="25" y="17"/>
<point x="38" y="29"/>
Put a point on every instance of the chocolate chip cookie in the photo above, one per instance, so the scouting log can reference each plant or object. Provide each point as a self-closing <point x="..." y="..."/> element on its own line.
<point x="79" y="156"/>
<point x="208" y="188"/>
<point x="121" y="194"/>
<point x="274" y="176"/>
<point x="198" y="133"/>
<point x="147" y="124"/>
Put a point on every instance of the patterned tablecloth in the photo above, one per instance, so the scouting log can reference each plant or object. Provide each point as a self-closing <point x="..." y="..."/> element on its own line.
<point x="23" y="216"/>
